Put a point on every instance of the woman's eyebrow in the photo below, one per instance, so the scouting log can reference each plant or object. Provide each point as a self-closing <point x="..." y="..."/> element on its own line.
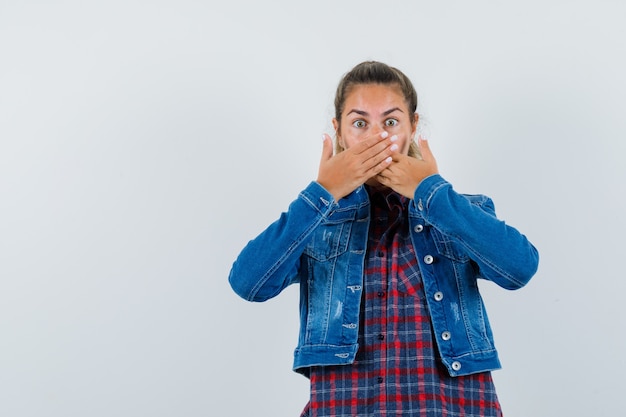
<point x="364" y="113"/>
<point x="361" y="112"/>
<point x="392" y="110"/>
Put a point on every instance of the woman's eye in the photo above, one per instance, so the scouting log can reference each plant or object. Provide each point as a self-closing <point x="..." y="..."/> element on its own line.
<point x="359" y="123"/>
<point x="391" y="122"/>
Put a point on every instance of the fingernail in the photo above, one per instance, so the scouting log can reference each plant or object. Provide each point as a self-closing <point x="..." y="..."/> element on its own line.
<point x="389" y="159"/>
<point x="393" y="138"/>
<point x="384" y="134"/>
<point x="394" y="147"/>
<point x="323" y="137"/>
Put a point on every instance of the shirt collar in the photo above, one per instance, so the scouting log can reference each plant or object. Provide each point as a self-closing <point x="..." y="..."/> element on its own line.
<point x="386" y="198"/>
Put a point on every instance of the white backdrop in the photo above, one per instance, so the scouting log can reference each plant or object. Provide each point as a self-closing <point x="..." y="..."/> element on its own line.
<point x="142" y="144"/>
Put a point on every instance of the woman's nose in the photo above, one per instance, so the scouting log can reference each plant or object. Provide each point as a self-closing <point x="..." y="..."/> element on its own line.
<point x="378" y="129"/>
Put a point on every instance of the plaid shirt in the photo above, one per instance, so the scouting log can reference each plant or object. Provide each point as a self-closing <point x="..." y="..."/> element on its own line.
<point x="396" y="371"/>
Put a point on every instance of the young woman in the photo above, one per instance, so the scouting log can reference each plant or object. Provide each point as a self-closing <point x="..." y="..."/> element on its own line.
<point x="387" y="256"/>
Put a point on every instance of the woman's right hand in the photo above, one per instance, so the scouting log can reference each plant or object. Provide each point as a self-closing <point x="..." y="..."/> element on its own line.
<point x="342" y="173"/>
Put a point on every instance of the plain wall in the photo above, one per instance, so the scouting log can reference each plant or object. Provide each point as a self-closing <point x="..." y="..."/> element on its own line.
<point x="142" y="144"/>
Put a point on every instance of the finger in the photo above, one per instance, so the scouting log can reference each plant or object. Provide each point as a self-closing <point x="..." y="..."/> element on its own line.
<point x="427" y="155"/>
<point x="375" y="142"/>
<point x="398" y="157"/>
<point x="376" y="160"/>
<point x="380" y="151"/>
<point x="383" y="178"/>
<point x="380" y="166"/>
<point x="327" y="149"/>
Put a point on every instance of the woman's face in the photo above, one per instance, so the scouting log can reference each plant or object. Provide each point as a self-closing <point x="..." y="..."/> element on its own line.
<point x="370" y="109"/>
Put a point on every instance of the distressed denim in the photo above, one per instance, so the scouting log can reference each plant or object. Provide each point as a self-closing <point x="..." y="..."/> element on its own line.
<point x="321" y="244"/>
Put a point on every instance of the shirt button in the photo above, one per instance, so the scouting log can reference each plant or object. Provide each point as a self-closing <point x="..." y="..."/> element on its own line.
<point x="428" y="259"/>
<point x="379" y="254"/>
<point x="438" y="296"/>
<point x="446" y="335"/>
<point x="419" y="228"/>
<point x="381" y="293"/>
<point x="456" y="365"/>
<point x="380" y="379"/>
<point x="381" y="336"/>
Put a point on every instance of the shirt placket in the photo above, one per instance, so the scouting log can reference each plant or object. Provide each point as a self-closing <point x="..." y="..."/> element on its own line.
<point x="380" y="334"/>
<point x="385" y="300"/>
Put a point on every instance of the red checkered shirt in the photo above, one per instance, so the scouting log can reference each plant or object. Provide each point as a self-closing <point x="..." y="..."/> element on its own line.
<point x="396" y="371"/>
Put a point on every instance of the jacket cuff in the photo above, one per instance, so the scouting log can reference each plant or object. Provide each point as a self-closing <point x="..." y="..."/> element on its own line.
<point x="318" y="198"/>
<point x="426" y="189"/>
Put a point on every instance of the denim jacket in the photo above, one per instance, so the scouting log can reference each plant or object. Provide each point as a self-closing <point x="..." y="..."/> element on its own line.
<point x="321" y="243"/>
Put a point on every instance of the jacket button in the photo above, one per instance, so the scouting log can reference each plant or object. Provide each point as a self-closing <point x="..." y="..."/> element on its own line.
<point x="428" y="259"/>
<point x="420" y="205"/>
<point x="456" y="365"/>
<point x="446" y="335"/>
<point x="438" y="296"/>
<point x="419" y="228"/>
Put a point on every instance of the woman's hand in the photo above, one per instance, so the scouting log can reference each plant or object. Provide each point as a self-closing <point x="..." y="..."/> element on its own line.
<point x="405" y="173"/>
<point x="342" y="173"/>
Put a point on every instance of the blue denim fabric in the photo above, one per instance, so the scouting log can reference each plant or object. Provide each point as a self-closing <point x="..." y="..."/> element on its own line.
<point x="321" y="243"/>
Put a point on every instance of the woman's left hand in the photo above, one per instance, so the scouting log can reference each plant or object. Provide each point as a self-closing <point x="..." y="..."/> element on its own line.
<point x="405" y="173"/>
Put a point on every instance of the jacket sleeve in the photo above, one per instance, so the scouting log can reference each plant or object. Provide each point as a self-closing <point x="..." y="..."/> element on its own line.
<point x="502" y="253"/>
<point x="270" y="262"/>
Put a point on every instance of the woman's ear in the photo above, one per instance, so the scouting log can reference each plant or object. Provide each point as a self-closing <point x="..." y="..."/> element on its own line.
<point x="416" y="118"/>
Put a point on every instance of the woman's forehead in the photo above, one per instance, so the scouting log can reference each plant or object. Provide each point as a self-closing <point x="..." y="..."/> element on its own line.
<point x="375" y="98"/>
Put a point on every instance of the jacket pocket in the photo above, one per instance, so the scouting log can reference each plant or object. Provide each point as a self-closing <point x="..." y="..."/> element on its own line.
<point x="330" y="238"/>
<point x="449" y="247"/>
